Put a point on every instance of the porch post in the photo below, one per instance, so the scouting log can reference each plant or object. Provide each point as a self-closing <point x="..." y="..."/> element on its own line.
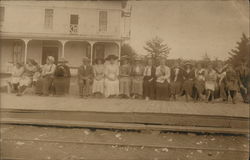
<point x="63" y="44"/>
<point x="26" y="41"/>
<point x="119" y="51"/>
<point x="91" y="52"/>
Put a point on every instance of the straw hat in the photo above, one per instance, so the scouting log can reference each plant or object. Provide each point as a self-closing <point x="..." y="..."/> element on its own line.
<point x="109" y="57"/>
<point x="85" y="59"/>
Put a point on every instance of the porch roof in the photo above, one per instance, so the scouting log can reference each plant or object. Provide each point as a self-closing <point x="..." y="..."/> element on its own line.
<point x="53" y="36"/>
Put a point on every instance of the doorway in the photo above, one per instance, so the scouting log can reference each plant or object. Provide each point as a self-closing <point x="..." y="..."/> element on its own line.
<point x="49" y="51"/>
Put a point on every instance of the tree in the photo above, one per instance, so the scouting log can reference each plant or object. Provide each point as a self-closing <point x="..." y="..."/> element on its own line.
<point x="127" y="50"/>
<point x="241" y="52"/>
<point x="157" y="49"/>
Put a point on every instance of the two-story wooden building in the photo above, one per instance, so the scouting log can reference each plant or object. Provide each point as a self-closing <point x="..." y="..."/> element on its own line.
<point x="69" y="29"/>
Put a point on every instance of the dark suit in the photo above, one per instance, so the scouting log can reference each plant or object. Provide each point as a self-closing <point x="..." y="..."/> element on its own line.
<point x="149" y="84"/>
<point x="176" y="81"/>
<point x="85" y="77"/>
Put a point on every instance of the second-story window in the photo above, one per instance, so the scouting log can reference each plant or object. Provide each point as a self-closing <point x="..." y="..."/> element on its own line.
<point x="48" y="19"/>
<point x="103" y="21"/>
<point x="74" y="23"/>
<point x="2" y="14"/>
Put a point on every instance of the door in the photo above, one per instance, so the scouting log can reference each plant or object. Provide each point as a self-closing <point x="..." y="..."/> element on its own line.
<point x="49" y="51"/>
<point x="99" y="51"/>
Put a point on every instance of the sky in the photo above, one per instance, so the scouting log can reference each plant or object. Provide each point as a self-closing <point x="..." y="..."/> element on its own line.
<point x="190" y="28"/>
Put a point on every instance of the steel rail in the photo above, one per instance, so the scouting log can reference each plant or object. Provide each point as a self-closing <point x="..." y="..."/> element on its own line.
<point x="126" y="145"/>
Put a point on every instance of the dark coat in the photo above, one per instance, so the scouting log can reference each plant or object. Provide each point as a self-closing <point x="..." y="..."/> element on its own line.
<point x="84" y="74"/>
<point x="180" y="75"/>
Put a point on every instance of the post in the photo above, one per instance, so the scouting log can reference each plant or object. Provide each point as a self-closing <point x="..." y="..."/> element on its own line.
<point x="119" y="51"/>
<point x="63" y="44"/>
<point x="26" y="41"/>
<point x="91" y="52"/>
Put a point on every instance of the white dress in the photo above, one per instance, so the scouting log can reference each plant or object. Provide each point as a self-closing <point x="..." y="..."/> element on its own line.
<point x="98" y="84"/>
<point x="111" y="80"/>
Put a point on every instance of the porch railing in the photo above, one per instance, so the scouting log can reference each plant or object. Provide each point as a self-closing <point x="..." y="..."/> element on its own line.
<point x="73" y="28"/>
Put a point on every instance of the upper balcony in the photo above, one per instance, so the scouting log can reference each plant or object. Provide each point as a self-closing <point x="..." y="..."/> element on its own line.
<point x="102" y="20"/>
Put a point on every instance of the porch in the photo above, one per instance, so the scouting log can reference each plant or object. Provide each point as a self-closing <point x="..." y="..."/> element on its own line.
<point x="19" y="50"/>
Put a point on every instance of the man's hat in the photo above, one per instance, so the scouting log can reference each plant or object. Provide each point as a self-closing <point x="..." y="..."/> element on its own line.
<point x="188" y="63"/>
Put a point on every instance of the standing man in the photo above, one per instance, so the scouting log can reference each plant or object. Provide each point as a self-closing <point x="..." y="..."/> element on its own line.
<point x="244" y="77"/>
<point x="85" y="78"/>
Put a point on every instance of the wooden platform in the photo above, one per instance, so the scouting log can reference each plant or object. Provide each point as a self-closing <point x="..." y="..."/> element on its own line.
<point x="161" y="114"/>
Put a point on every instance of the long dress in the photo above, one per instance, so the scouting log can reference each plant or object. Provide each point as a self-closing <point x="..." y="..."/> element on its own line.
<point x="125" y="80"/>
<point x="199" y="82"/>
<point x="188" y="84"/>
<point x="98" y="84"/>
<point x="162" y="83"/>
<point x="47" y="80"/>
<point x="26" y="79"/>
<point x="111" y="82"/>
<point x="176" y="80"/>
<point x="16" y="74"/>
<point x="221" y="84"/>
<point x="149" y="82"/>
<point x="137" y="80"/>
<point x="210" y="80"/>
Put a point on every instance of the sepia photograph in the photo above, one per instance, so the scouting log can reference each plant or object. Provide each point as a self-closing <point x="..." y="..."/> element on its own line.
<point x="124" y="79"/>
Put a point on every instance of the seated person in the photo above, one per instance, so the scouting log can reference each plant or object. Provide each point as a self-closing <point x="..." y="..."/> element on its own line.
<point x="16" y="74"/>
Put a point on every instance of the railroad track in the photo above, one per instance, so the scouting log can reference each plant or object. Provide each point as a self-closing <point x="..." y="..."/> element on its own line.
<point x="156" y="148"/>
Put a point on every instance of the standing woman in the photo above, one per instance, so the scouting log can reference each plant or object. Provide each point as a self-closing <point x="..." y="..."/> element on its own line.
<point x="26" y="80"/>
<point x="199" y="83"/>
<point x="189" y="76"/>
<point x="176" y="80"/>
<point x="233" y="82"/>
<point x="111" y="74"/>
<point x="124" y="78"/>
<point x="162" y="81"/>
<point x="149" y="80"/>
<point x="137" y="78"/>
<point x="210" y="82"/>
<point x="98" y="84"/>
<point x="48" y="74"/>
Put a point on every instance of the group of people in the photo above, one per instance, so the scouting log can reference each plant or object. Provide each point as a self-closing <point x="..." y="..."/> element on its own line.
<point x="46" y="79"/>
<point x="132" y="79"/>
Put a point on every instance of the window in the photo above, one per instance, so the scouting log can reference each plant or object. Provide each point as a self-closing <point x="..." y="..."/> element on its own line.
<point x="48" y="20"/>
<point x="1" y="14"/>
<point x="74" y="23"/>
<point x="103" y="21"/>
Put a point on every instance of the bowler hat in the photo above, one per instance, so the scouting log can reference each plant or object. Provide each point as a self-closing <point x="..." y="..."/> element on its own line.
<point x="61" y="60"/>
<point x="85" y="58"/>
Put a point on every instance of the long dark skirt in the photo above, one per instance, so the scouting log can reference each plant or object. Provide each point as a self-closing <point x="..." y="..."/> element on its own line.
<point x="162" y="91"/>
<point x="188" y="86"/>
<point x="175" y="88"/>
<point x="60" y="84"/>
<point x="67" y="84"/>
<point x="39" y="86"/>
<point x="47" y="85"/>
<point x="148" y="88"/>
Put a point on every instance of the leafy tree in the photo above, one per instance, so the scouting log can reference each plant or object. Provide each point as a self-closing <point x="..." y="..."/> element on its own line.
<point x="157" y="49"/>
<point x="241" y="52"/>
<point x="127" y="50"/>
